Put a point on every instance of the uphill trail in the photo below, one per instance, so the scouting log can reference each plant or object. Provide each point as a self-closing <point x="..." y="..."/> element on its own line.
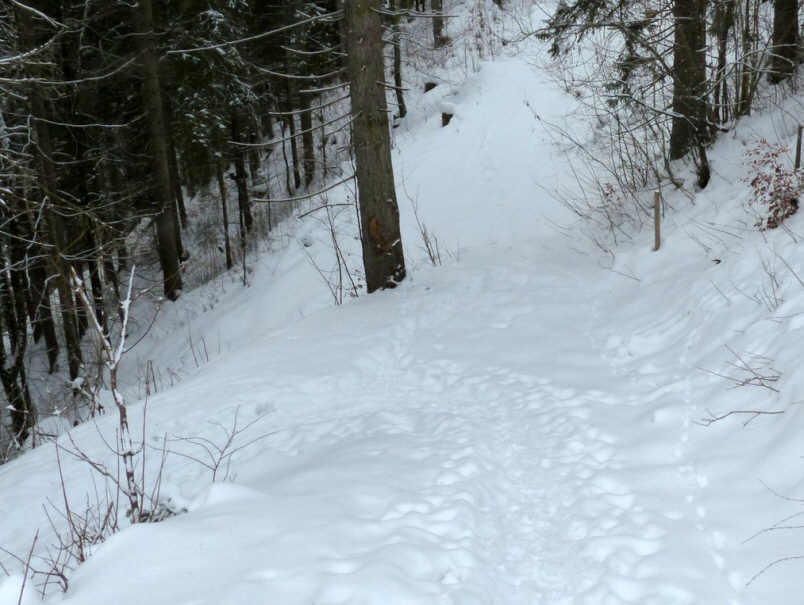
<point x="542" y="434"/>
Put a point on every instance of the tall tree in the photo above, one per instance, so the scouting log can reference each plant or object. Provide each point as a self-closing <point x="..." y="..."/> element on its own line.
<point x="35" y="31"/>
<point x="437" y="7"/>
<point x="396" y="43"/>
<point x="165" y="219"/>
<point x="785" y="51"/>
<point x="383" y="258"/>
<point x="690" y="128"/>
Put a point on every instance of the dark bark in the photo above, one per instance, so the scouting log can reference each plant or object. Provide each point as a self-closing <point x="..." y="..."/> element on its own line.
<point x="51" y="202"/>
<point x="785" y="51"/>
<point x="308" y="142"/>
<point x="437" y="7"/>
<point x="14" y="324"/>
<point x="95" y="279"/>
<point x="226" y="242"/>
<point x="690" y="125"/>
<point x="268" y="122"/>
<point x="165" y="219"/>
<point x="81" y="317"/>
<point x="39" y="292"/>
<point x="744" y="98"/>
<point x="173" y="167"/>
<point x="254" y="156"/>
<point x="298" y="64"/>
<point x="383" y="257"/>
<point x="722" y="25"/>
<point x="183" y="254"/>
<point x="58" y="237"/>
<point x="241" y="178"/>
<point x="111" y="278"/>
<point x="288" y="172"/>
<point x="402" y="111"/>
<point x="191" y="188"/>
<point x="175" y="181"/>
<point x="294" y="152"/>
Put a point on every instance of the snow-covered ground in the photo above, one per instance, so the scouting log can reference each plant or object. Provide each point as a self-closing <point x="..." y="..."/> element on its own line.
<point x="524" y="424"/>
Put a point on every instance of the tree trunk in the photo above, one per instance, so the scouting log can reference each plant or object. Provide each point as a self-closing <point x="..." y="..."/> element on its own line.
<point x="383" y="258"/>
<point x="294" y="152"/>
<point x="222" y="188"/>
<point x="298" y="64"/>
<point x="397" y="44"/>
<point x="722" y="24"/>
<point x="15" y="383"/>
<point x="41" y="295"/>
<point x="175" y="181"/>
<point x="254" y="156"/>
<point x="689" y="128"/>
<point x="437" y="7"/>
<point x="744" y="86"/>
<point x="165" y="219"/>
<point x="240" y="174"/>
<point x="173" y="169"/>
<point x="288" y="173"/>
<point x="785" y="52"/>
<point x="81" y="318"/>
<point x="94" y="265"/>
<point x="308" y="143"/>
<point x="183" y="254"/>
<point x="51" y="201"/>
<point x="58" y="238"/>
<point x="39" y="306"/>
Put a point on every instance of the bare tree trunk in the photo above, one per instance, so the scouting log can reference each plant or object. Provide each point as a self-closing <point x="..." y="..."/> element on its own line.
<point x="40" y="293"/>
<point x="39" y="305"/>
<point x="302" y="101"/>
<point x="294" y="152"/>
<point x="15" y="382"/>
<point x="785" y="57"/>
<point x="722" y="24"/>
<point x="48" y="186"/>
<point x="94" y="265"/>
<point x="397" y="44"/>
<point x="288" y="180"/>
<point x="175" y="182"/>
<point x="747" y="65"/>
<point x="437" y="7"/>
<point x="690" y="126"/>
<point x="59" y="239"/>
<point x="240" y="174"/>
<point x="308" y="143"/>
<point x="165" y="219"/>
<point x="383" y="258"/>
<point x="222" y="188"/>
<point x="254" y="156"/>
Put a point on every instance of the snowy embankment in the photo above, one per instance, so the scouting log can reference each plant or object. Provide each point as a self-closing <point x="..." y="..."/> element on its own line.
<point x="521" y="425"/>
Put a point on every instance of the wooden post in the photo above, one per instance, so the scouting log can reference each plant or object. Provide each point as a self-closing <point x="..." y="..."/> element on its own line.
<point x="798" y="148"/>
<point x="657" y="220"/>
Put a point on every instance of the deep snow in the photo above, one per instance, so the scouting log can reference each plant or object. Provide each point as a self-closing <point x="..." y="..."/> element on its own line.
<point x="524" y="424"/>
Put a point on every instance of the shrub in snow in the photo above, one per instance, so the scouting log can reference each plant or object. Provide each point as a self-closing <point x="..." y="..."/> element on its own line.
<point x="773" y="183"/>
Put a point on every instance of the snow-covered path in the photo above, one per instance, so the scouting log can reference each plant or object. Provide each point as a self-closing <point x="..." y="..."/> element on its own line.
<point x="474" y="444"/>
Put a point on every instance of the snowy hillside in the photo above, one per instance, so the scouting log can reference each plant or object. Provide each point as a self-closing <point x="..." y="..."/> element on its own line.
<point x="538" y="420"/>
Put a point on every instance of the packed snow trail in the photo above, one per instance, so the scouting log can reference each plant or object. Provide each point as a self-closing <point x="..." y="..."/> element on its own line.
<point x="471" y="443"/>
